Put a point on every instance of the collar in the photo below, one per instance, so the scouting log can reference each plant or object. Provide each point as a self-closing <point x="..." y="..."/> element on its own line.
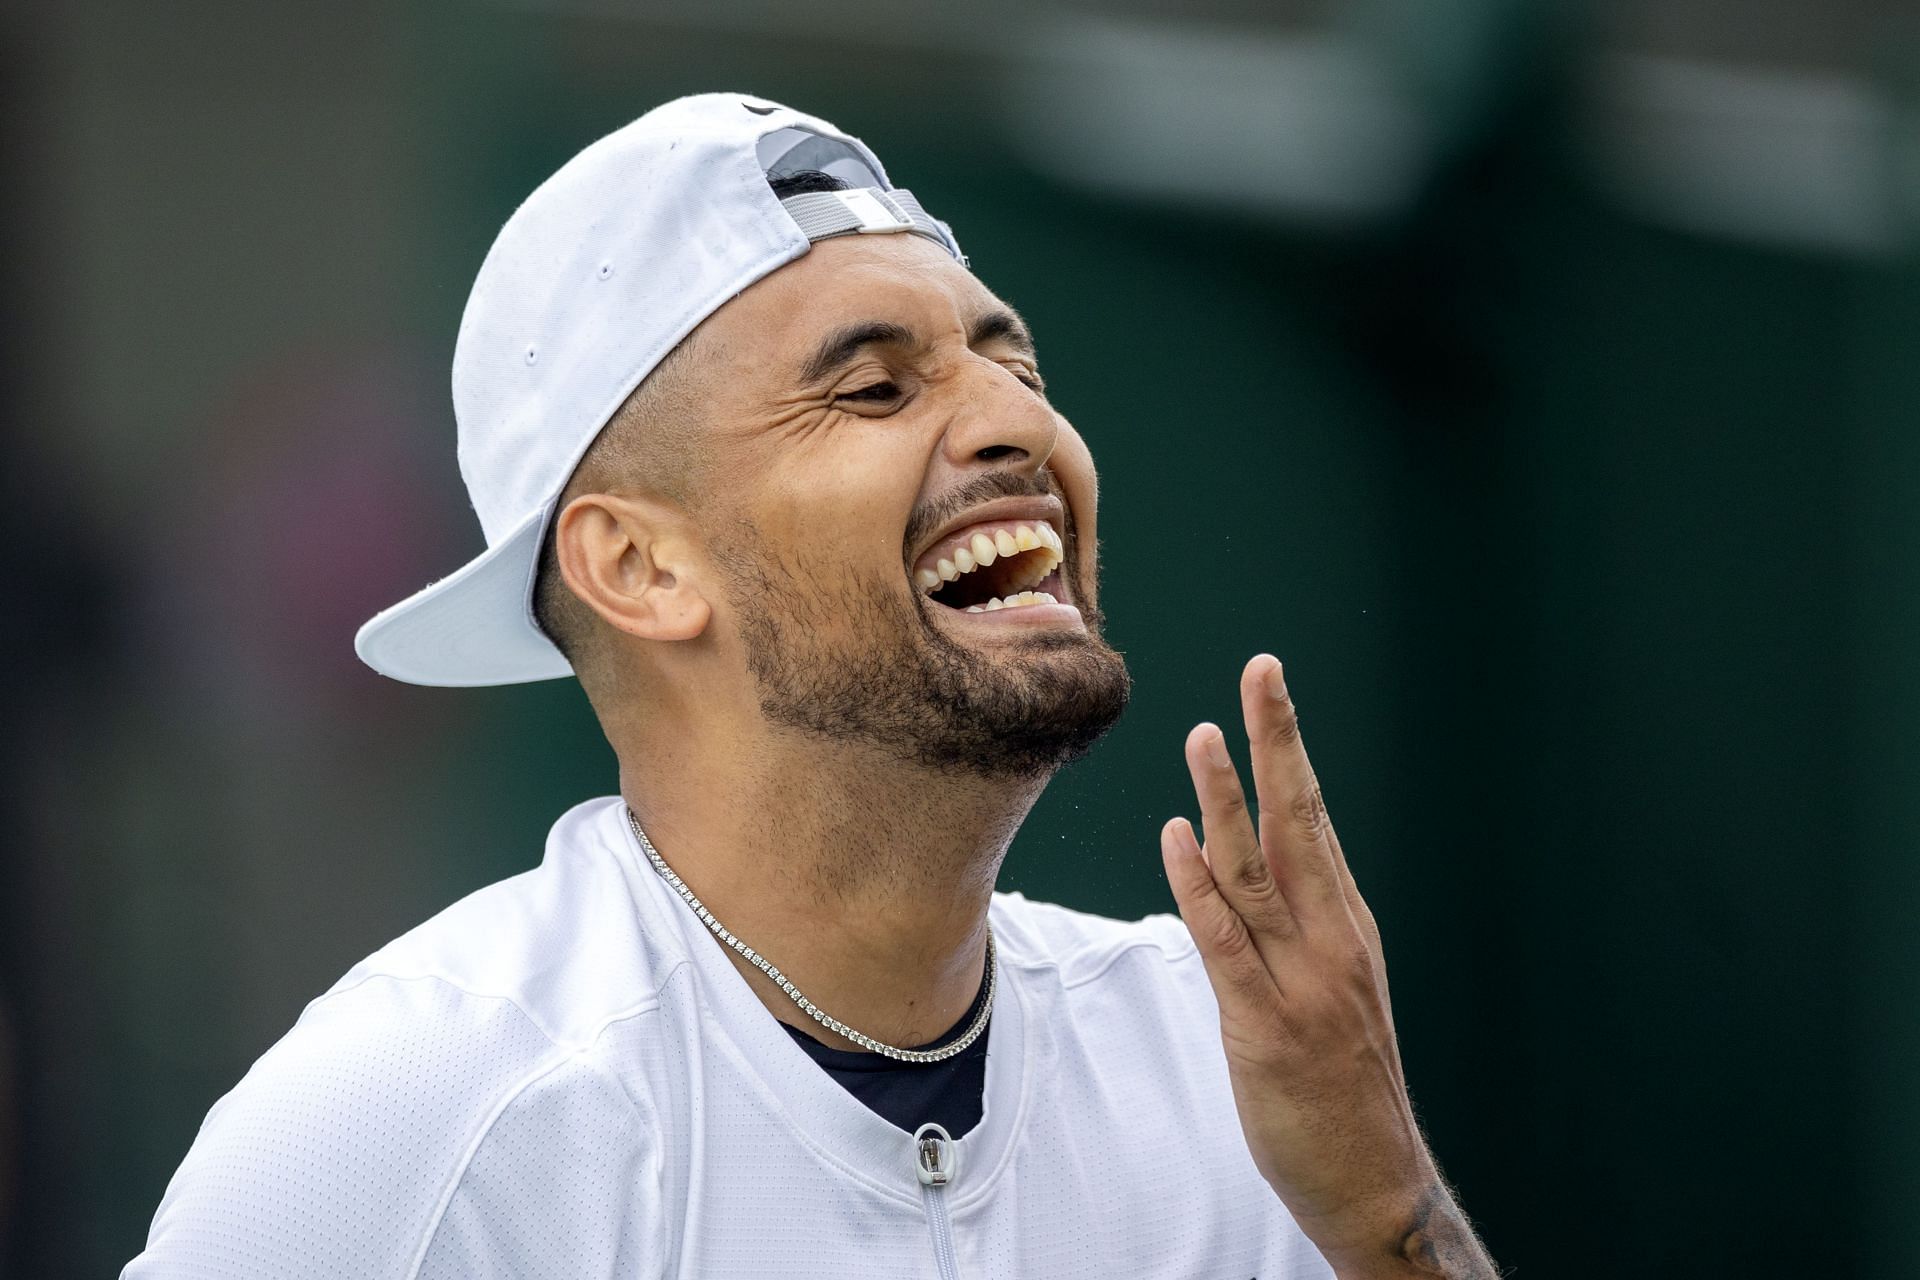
<point x="835" y="1124"/>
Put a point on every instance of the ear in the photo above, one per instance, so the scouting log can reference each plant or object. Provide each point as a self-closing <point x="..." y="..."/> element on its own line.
<point x="628" y="559"/>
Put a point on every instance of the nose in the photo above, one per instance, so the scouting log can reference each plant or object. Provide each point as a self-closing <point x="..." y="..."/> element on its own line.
<point x="998" y="422"/>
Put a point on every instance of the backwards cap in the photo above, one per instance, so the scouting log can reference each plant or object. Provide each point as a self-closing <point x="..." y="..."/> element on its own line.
<point x="593" y="280"/>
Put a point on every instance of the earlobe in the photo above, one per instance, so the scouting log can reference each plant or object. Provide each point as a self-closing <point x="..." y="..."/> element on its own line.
<point x="624" y="558"/>
<point x="679" y="611"/>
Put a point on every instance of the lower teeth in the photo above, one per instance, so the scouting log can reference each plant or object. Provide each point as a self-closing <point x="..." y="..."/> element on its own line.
<point x="1012" y="601"/>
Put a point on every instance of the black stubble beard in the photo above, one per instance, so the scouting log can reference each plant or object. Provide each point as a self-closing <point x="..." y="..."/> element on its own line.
<point x="908" y="689"/>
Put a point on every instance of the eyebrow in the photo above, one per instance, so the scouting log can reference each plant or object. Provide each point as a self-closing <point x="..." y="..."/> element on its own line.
<point x="838" y="349"/>
<point x="843" y="344"/>
<point x="1004" y="326"/>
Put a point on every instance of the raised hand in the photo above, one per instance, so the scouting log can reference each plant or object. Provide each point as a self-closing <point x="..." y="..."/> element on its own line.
<point x="1294" y="958"/>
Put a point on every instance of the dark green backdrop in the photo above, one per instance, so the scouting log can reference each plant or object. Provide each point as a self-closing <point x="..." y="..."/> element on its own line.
<point x="1590" y="548"/>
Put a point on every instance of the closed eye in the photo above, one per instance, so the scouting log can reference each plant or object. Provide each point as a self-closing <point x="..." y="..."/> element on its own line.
<point x="874" y="393"/>
<point x="1026" y="375"/>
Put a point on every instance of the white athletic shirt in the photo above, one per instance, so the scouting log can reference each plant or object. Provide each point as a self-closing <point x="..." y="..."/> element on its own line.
<point x="563" y="1075"/>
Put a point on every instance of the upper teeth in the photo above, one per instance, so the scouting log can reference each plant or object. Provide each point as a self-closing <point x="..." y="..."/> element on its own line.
<point x="984" y="548"/>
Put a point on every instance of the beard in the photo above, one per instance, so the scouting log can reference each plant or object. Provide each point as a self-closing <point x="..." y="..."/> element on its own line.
<point x="862" y="662"/>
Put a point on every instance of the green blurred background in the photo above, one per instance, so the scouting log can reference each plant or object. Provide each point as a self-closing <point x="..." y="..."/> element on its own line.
<point x="1537" y="380"/>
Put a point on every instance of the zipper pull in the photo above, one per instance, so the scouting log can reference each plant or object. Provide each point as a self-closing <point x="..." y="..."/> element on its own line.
<point x="936" y="1158"/>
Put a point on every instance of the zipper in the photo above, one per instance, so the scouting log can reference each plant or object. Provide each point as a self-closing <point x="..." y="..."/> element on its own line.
<point x="936" y="1160"/>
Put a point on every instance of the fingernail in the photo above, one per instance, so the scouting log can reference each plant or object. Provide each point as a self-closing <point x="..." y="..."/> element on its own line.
<point x="1217" y="749"/>
<point x="1276" y="681"/>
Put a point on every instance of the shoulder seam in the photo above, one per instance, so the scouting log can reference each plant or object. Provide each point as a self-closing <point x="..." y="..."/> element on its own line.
<point x="1061" y="963"/>
<point x="432" y="975"/>
<point x="429" y="975"/>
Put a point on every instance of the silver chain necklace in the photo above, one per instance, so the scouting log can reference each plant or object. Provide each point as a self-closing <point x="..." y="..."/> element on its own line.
<point x="807" y="1006"/>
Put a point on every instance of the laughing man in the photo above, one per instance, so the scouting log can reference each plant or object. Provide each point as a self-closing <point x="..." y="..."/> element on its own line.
<point x="765" y="466"/>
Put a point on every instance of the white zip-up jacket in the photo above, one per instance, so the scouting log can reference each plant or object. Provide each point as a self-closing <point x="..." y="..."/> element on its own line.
<point x="563" y="1075"/>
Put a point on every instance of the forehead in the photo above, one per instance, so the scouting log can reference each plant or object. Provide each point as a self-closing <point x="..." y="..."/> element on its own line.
<point x="901" y="278"/>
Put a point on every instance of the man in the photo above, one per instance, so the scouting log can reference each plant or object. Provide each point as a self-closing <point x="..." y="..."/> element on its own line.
<point x="764" y="465"/>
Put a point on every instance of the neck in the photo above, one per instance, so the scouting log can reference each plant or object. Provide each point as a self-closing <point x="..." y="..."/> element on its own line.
<point x="864" y="879"/>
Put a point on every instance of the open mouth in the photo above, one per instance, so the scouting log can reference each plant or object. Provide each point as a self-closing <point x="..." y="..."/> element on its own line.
<point x="999" y="564"/>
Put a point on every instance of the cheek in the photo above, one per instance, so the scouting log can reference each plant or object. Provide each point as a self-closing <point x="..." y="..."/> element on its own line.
<point x="832" y="490"/>
<point x="843" y="512"/>
<point x="1072" y="466"/>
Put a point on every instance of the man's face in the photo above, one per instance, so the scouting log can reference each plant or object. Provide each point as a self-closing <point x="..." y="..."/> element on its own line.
<point x="892" y="503"/>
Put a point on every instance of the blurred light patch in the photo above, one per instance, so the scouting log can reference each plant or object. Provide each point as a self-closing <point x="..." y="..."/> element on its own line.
<point x="1794" y="159"/>
<point x="1305" y="126"/>
<point x="832" y="24"/>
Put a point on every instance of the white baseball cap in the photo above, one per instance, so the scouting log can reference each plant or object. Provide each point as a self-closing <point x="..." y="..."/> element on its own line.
<point x="592" y="281"/>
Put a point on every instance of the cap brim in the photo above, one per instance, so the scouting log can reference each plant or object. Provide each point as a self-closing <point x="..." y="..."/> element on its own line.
<point x="472" y="627"/>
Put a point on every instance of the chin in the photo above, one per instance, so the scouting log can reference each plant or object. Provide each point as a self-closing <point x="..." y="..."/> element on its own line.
<point x="868" y="666"/>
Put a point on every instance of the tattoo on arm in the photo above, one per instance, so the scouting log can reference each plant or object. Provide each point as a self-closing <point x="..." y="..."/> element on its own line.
<point x="1439" y="1241"/>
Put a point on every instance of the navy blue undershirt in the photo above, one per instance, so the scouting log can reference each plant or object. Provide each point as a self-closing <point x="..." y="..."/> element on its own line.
<point x="950" y="1093"/>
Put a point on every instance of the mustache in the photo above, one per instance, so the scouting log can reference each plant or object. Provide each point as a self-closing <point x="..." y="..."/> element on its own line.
<point x="928" y="516"/>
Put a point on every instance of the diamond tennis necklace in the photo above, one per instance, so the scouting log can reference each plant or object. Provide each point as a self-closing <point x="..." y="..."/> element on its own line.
<point x="807" y="1006"/>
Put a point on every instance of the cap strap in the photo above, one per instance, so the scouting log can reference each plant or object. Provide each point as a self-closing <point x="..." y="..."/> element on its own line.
<point x="822" y="215"/>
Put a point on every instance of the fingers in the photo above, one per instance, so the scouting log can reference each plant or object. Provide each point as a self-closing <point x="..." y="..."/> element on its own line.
<point x="1294" y="827"/>
<point x="1233" y="854"/>
<point x="1233" y="962"/>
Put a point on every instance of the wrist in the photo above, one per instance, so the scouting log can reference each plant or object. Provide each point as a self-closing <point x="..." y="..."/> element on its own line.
<point x="1364" y="1220"/>
<point x="1413" y="1233"/>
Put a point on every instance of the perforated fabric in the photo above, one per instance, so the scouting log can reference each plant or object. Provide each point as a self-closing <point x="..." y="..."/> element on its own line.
<point x="332" y="1155"/>
<point x="575" y="1134"/>
<point x="564" y="1075"/>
